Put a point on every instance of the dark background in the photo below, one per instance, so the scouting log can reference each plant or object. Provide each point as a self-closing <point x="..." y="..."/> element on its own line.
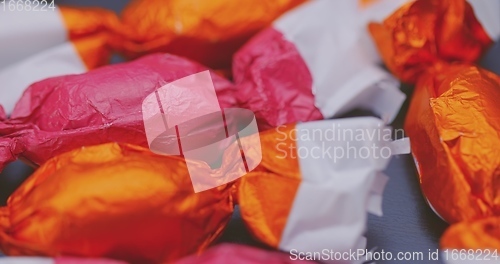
<point x="408" y="224"/>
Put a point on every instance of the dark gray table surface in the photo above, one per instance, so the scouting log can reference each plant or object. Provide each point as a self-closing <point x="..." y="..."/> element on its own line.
<point x="408" y="224"/>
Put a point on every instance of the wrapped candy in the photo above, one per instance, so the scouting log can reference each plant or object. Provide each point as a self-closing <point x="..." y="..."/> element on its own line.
<point x="104" y="105"/>
<point x="206" y="31"/>
<point x="453" y="117"/>
<point x="316" y="61"/>
<point x="234" y="253"/>
<point x="112" y="182"/>
<point x="41" y="44"/>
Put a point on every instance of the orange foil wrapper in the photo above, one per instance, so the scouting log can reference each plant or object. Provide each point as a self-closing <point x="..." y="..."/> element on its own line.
<point x="123" y="202"/>
<point x="89" y="30"/>
<point x="241" y="254"/>
<point x="206" y="31"/>
<point x="453" y="120"/>
<point x="480" y="234"/>
<point x="114" y="201"/>
<point x="425" y="35"/>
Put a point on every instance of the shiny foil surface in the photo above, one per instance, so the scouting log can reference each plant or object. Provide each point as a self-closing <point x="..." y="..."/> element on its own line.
<point x="116" y="201"/>
<point x="266" y="194"/>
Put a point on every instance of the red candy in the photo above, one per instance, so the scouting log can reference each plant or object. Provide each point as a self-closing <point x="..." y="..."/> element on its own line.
<point x="62" y="113"/>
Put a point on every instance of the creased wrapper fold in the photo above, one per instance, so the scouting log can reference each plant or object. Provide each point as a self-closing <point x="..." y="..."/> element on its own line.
<point x="43" y="44"/>
<point x="452" y="119"/>
<point x="112" y="182"/>
<point x="317" y="61"/>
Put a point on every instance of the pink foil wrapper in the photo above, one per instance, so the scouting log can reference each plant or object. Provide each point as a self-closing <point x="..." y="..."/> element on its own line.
<point x="104" y="105"/>
<point x="234" y="253"/>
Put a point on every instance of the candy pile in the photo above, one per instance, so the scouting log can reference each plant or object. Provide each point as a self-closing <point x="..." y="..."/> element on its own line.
<point x="102" y="191"/>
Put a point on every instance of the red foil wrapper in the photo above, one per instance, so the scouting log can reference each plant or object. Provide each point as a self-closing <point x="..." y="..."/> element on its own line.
<point x="90" y="30"/>
<point x="105" y="105"/>
<point x="123" y="202"/>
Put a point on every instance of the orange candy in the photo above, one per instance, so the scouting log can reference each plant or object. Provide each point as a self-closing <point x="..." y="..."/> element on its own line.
<point x="205" y="31"/>
<point x="275" y="182"/>
<point x="454" y="116"/>
<point x="453" y="123"/>
<point x="89" y="30"/>
<point x="424" y="35"/>
<point x="123" y="202"/>
<point x="453" y="120"/>
<point x="114" y="201"/>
